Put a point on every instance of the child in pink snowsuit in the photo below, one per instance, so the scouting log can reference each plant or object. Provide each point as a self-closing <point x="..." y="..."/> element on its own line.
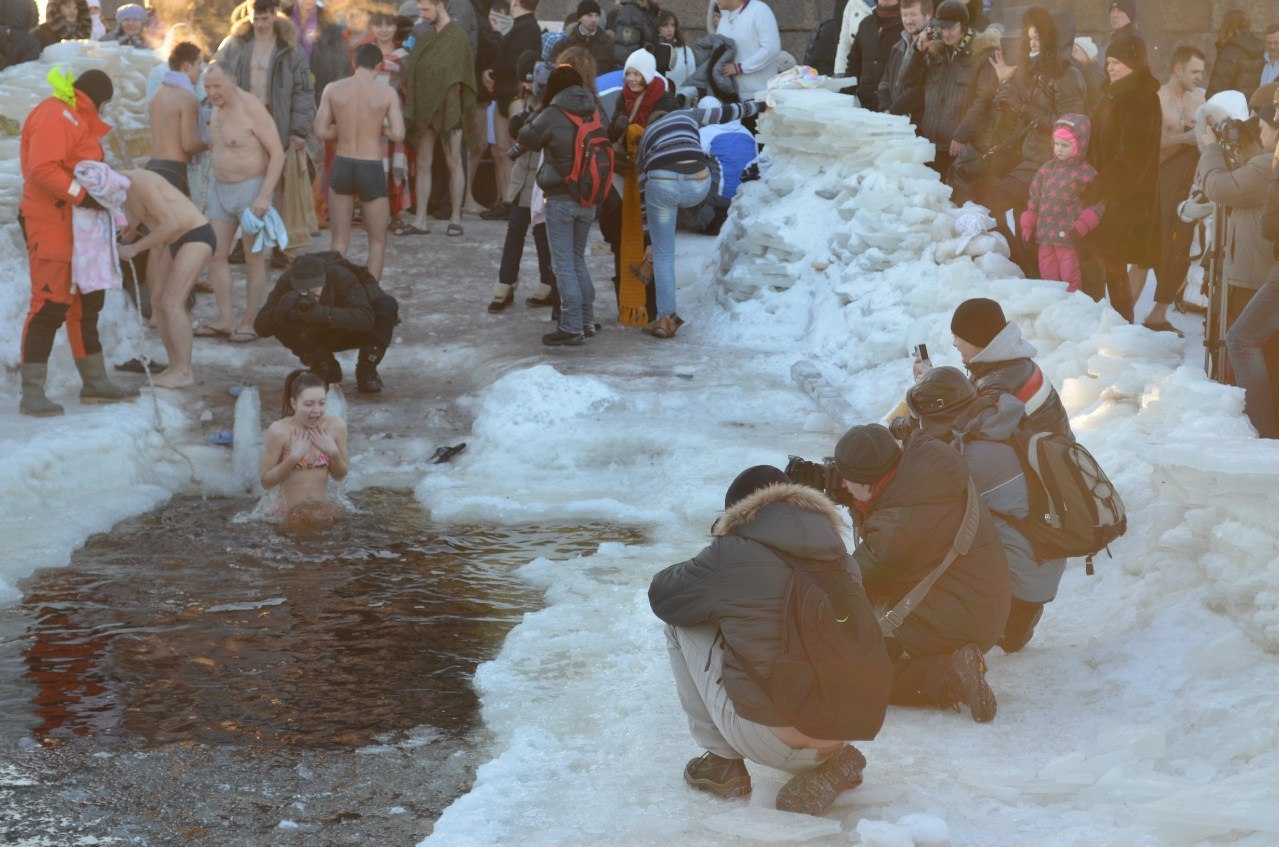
<point x="1056" y="217"/>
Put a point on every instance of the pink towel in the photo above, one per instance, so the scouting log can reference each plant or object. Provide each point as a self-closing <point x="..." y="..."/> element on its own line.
<point x="95" y="260"/>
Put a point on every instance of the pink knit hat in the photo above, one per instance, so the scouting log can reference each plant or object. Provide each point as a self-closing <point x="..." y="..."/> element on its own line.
<point x="1066" y="135"/>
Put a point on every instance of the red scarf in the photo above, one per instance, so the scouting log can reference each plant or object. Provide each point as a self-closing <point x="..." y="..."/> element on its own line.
<point x="863" y="507"/>
<point x="651" y="94"/>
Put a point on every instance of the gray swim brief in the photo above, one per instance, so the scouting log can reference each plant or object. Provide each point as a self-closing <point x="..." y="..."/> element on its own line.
<point x="228" y="199"/>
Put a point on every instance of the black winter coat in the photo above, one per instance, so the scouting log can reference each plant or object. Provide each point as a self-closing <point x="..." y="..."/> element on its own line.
<point x="1239" y="64"/>
<point x="1036" y="96"/>
<point x="17" y="46"/>
<point x="634" y="26"/>
<point x="906" y="533"/>
<point x="959" y="90"/>
<point x="739" y="584"/>
<point x="872" y="46"/>
<point x="553" y="132"/>
<point x="1125" y="151"/>
<point x="330" y="59"/>
<point x="343" y="307"/>
<point x="19" y="14"/>
<point x="524" y="35"/>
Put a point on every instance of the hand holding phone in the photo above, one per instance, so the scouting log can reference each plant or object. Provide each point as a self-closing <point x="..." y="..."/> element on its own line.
<point x="922" y="363"/>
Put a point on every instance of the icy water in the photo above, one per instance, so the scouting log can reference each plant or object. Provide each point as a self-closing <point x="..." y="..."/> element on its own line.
<point x="191" y="678"/>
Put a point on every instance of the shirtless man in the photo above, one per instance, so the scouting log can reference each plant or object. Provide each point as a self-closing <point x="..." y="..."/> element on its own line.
<point x="247" y="161"/>
<point x="1179" y="100"/>
<point x="175" y="118"/>
<point x="172" y="221"/>
<point x="358" y="112"/>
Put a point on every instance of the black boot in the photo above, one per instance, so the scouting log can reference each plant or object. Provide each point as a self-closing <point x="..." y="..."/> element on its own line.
<point x="1022" y="617"/>
<point x="366" y="379"/>
<point x="325" y="366"/>
<point x="965" y="682"/>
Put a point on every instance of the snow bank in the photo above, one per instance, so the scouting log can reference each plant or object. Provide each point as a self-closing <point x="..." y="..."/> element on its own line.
<point x="1141" y="715"/>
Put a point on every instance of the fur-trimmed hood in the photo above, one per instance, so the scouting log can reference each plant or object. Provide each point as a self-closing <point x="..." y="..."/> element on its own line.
<point x="286" y="34"/>
<point x="793" y="518"/>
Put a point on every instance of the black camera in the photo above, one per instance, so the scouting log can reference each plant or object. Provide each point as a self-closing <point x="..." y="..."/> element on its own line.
<point x="934" y="32"/>
<point x="903" y="426"/>
<point x="1234" y="136"/>
<point x="306" y="302"/>
<point x="820" y="475"/>
<point x="515" y="152"/>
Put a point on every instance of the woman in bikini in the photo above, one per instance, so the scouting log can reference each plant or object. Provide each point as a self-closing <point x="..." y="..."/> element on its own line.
<point x="304" y="448"/>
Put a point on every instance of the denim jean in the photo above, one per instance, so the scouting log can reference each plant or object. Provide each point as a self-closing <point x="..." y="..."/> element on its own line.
<point x="1257" y="325"/>
<point x="665" y="193"/>
<point x="568" y="225"/>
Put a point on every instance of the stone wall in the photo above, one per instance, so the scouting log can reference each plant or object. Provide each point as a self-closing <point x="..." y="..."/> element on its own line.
<point x="1166" y="23"/>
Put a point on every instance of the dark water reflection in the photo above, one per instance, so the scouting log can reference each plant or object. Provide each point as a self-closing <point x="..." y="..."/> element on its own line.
<point x="185" y="626"/>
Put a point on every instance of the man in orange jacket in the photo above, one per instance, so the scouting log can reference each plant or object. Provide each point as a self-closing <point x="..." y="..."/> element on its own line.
<point x="60" y="133"/>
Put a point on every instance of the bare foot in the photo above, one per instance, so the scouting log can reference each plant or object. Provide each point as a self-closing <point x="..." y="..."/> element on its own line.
<point x="169" y="378"/>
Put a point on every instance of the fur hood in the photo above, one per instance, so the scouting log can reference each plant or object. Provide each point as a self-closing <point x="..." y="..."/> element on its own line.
<point x="286" y="34"/>
<point x="800" y="520"/>
<point x="973" y="44"/>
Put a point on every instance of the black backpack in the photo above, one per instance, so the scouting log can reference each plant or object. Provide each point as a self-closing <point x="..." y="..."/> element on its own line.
<point x="1074" y="507"/>
<point x="832" y="677"/>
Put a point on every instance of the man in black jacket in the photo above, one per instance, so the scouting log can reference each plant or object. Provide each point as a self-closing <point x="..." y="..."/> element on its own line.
<point x="322" y="305"/>
<point x="726" y="612"/>
<point x="876" y="35"/>
<point x="907" y="510"/>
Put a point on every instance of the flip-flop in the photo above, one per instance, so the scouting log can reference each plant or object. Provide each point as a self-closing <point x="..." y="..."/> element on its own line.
<point x="1164" y="326"/>
<point x="223" y="438"/>
<point x="454" y="229"/>
<point x="242" y="337"/>
<point x="410" y="229"/>
<point x="206" y="331"/>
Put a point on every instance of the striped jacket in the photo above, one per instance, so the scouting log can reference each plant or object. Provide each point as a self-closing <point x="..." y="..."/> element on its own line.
<point x="672" y="142"/>
<point x="1005" y="366"/>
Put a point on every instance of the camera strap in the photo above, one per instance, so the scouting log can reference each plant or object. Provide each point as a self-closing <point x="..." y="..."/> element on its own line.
<point x="891" y="620"/>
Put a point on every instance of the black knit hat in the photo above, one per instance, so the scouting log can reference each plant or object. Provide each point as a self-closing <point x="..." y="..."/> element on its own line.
<point x="589" y="7"/>
<point x="866" y="454"/>
<point x="978" y="321"/>
<point x="96" y="84"/>
<point x="952" y="11"/>
<point x="307" y="272"/>
<point x="941" y="392"/>
<point x="525" y="65"/>
<point x="751" y="480"/>
<point x="1128" y="7"/>
<point x="1129" y="49"/>
<point x="562" y="77"/>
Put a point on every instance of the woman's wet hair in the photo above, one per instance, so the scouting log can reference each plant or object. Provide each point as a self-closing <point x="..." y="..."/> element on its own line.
<point x="294" y="384"/>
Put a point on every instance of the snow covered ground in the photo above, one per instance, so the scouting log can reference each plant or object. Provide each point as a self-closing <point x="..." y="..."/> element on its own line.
<point x="1142" y="715"/>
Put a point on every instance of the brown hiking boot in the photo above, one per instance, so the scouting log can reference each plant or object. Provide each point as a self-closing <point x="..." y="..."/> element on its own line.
<point x="965" y="682"/>
<point x="717" y="775"/>
<point x="810" y="793"/>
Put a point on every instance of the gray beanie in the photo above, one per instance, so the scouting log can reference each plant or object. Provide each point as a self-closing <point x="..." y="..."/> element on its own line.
<point x="866" y="454"/>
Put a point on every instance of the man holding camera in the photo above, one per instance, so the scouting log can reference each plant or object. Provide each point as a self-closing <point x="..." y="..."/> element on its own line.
<point x="910" y="510"/>
<point x="322" y="305"/>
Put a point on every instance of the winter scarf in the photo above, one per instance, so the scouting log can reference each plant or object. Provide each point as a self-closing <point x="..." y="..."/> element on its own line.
<point x="647" y="100"/>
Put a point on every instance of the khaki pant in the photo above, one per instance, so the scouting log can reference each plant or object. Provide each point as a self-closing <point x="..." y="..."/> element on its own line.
<point x="697" y="660"/>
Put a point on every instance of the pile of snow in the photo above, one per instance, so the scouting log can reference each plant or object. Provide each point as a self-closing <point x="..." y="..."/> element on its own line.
<point x="1142" y="714"/>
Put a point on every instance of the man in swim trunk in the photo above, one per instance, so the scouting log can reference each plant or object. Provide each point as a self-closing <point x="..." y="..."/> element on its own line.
<point x="358" y="112"/>
<point x="247" y="162"/>
<point x="175" y="118"/>
<point x="172" y="221"/>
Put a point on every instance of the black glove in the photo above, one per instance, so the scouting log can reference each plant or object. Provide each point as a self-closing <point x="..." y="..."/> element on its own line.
<point x="286" y="304"/>
<point x="89" y="203"/>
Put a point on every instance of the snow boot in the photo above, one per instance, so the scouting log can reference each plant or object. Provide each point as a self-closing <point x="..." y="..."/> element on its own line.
<point x="965" y="682"/>
<point x="33" y="401"/>
<point x="503" y="296"/>
<point x="810" y="793"/>
<point x="95" y="387"/>
<point x="1022" y="617"/>
<point x="366" y="379"/>
<point x="326" y="367"/>
<point x="542" y="297"/>
<point x="717" y="775"/>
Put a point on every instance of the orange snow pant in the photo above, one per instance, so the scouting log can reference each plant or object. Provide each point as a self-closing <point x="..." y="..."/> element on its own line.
<point x="52" y="303"/>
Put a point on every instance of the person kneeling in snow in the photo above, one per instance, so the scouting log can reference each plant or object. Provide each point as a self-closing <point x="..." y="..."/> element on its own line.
<point x="322" y="305"/>
<point x="908" y="510"/>
<point x="756" y="673"/>
<point x="948" y="409"/>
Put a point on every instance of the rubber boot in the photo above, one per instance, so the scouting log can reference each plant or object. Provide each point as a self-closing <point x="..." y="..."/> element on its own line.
<point x="34" y="402"/>
<point x="96" y="387"/>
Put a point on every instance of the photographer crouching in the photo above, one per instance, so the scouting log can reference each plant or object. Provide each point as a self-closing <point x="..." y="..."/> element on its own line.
<point x="917" y="517"/>
<point x="323" y="305"/>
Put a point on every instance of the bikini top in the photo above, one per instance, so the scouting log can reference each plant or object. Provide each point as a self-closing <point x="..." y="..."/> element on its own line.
<point x="306" y="463"/>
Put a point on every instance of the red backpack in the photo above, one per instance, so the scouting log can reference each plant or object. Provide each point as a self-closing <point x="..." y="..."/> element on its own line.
<point x="592" y="175"/>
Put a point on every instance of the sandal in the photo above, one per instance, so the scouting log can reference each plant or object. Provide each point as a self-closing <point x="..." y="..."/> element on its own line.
<point x="207" y="331"/>
<point x="454" y="229"/>
<point x="410" y="229"/>
<point x="1164" y="326"/>
<point x="242" y="337"/>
